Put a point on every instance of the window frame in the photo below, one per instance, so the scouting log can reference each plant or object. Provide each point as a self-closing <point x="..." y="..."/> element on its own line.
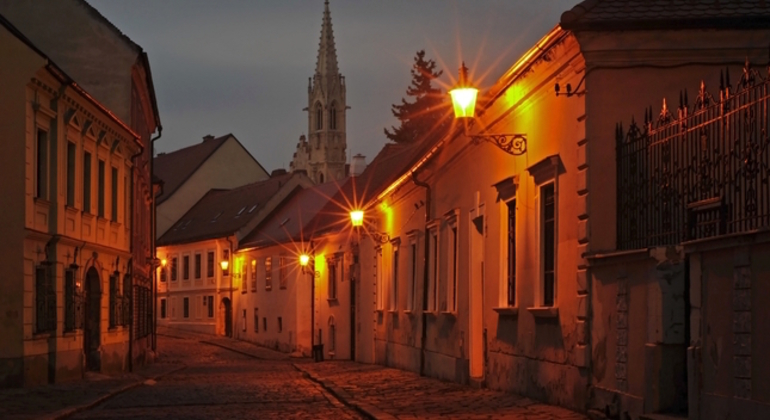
<point x="42" y="163"/>
<point x="101" y="187"/>
<point x="185" y="307"/>
<point x="434" y="265"/>
<point x="268" y="266"/>
<point x="71" y="179"/>
<point x="452" y="268"/>
<point x="197" y="265"/>
<point x="211" y="262"/>
<point x="395" y="254"/>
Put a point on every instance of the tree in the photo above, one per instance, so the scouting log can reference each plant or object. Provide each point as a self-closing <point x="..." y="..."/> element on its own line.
<point x="426" y="115"/>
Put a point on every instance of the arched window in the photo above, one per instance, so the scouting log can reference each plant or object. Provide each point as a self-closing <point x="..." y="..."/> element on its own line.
<point x="319" y="117"/>
<point x="333" y="117"/>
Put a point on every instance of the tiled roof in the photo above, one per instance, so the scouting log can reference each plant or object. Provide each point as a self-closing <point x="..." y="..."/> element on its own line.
<point x="296" y="219"/>
<point x="667" y="14"/>
<point x="221" y="213"/>
<point x="176" y="167"/>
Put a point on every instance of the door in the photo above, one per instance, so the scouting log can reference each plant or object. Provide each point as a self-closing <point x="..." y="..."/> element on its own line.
<point x="227" y="314"/>
<point x="476" y="292"/>
<point x="92" y="327"/>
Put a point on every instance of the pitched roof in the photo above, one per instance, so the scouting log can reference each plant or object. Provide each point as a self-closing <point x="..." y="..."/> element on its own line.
<point x="176" y="167"/>
<point x="222" y="212"/>
<point x="297" y="219"/>
<point x="667" y="14"/>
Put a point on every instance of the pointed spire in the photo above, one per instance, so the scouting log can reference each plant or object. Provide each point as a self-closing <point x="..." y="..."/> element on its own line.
<point x="326" y="65"/>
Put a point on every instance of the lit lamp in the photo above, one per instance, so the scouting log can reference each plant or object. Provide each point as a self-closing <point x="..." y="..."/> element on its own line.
<point x="224" y="264"/>
<point x="163" y="262"/>
<point x="464" y="104"/>
<point x="304" y="259"/>
<point x="357" y="218"/>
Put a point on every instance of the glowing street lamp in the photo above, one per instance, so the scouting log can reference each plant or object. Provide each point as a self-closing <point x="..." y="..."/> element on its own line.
<point x="163" y="262"/>
<point x="304" y="259"/>
<point x="357" y="218"/>
<point x="464" y="104"/>
<point x="224" y="264"/>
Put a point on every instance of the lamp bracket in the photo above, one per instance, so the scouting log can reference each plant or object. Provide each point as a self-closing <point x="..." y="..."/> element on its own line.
<point x="513" y="144"/>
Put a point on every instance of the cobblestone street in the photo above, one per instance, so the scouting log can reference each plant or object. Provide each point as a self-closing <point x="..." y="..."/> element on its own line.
<point x="203" y="377"/>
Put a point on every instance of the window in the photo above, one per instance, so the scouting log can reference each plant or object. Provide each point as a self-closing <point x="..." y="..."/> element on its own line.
<point x="45" y="300"/>
<point x="114" y="300"/>
<point x="282" y="272"/>
<point x="186" y="307"/>
<point x="163" y="308"/>
<point x="100" y="192"/>
<point x="197" y="266"/>
<point x="226" y="257"/>
<point x="264" y="324"/>
<point x="174" y="262"/>
<point x="378" y="279"/>
<point x="548" y="235"/>
<point x="163" y="274"/>
<point x="186" y="267"/>
<point x="210" y="264"/>
<point x="318" y="117"/>
<point x="394" y="278"/>
<point x="253" y="275"/>
<point x="412" y="292"/>
<point x="256" y="320"/>
<point x="511" y="286"/>
<point x="332" y="335"/>
<point x="210" y="306"/>
<point x="332" y="278"/>
<point x="126" y="299"/>
<point x="69" y="300"/>
<point x="333" y="117"/>
<point x="433" y="270"/>
<point x="449" y="297"/>
<point x="87" y="182"/>
<point x="41" y="189"/>
<point x="114" y="194"/>
<point x="243" y="320"/>
<point x="268" y="273"/>
<point x="71" y="150"/>
<point x="280" y="324"/>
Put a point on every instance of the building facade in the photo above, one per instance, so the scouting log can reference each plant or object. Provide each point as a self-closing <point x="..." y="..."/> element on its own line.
<point x="68" y="223"/>
<point x="322" y="154"/>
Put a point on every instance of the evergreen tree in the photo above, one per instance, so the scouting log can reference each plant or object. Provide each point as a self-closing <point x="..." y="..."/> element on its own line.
<point x="426" y="115"/>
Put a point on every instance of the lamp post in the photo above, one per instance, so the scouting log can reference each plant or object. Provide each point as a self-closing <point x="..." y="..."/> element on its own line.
<point x="464" y="104"/>
<point x="307" y="263"/>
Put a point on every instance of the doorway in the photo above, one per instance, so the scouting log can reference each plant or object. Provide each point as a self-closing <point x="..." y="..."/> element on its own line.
<point x="92" y="327"/>
<point x="226" y="314"/>
<point x="476" y="293"/>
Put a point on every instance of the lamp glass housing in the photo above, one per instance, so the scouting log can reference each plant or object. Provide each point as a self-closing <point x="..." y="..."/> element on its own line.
<point x="464" y="101"/>
<point x="224" y="264"/>
<point x="357" y="218"/>
<point x="304" y="259"/>
<point x="163" y="262"/>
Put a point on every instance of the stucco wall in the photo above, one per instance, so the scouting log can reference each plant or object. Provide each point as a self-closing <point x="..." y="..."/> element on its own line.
<point x="229" y="166"/>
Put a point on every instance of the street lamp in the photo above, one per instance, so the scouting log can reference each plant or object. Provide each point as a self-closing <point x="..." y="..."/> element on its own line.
<point x="224" y="264"/>
<point x="464" y="104"/>
<point x="357" y="218"/>
<point x="308" y="266"/>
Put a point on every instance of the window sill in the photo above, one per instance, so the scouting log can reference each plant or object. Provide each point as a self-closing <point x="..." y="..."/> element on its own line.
<point x="544" y="312"/>
<point x="243" y="292"/>
<point x="333" y="300"/>
<point x="410" y="312"/>
<point x="507" y="310"/>
<point x="453" y="314"/>
<point x="392" y="311"/>
<point x="432" y="313"/>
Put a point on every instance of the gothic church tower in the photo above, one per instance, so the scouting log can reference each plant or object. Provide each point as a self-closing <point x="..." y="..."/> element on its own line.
<point x="322" y="154"/>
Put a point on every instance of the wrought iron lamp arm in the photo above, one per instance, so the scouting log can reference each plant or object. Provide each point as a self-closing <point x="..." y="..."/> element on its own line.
<point x="513" y="144"/>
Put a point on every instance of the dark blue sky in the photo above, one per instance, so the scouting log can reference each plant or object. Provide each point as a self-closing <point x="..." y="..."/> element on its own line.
<point x="243" y="66"/>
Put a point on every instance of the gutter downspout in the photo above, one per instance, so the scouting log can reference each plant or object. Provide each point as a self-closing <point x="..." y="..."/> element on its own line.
<point x="424" y="329"/>
<point x="153" y="230"/>
<point x="131" y="249"/>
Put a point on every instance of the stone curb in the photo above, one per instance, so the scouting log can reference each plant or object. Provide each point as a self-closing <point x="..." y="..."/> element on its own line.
<point x="71" y="411"/>
<point x="367" y="409"/>
<point x="234" y="350"/>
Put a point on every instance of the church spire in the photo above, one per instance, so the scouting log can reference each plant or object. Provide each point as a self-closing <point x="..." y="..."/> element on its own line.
<point x="326" y="65"/>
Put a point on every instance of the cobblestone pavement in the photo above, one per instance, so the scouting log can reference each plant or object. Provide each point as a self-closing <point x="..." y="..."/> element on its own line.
<point x="391" y="393"/>
<point x="222" y="383"/>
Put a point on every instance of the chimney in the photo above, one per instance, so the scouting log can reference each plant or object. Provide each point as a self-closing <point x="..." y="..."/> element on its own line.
<point x="208" y="137"/>
<point x="357" y="165"/>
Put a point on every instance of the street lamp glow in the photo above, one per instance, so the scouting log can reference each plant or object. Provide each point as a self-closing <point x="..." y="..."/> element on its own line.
<point x="163" y="262"/>
<point x="357" y="218"/>
<point x="224" y="264"/>
<point x="304" y="259"/>
<point x="464" y="101"/>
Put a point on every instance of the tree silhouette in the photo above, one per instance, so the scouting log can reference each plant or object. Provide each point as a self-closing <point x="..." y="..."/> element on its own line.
<point x="426" y="115"/>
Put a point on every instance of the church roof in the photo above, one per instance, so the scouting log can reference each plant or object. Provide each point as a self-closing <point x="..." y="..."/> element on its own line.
<point x="326" y="65"/>
<point x="667" y="14"/>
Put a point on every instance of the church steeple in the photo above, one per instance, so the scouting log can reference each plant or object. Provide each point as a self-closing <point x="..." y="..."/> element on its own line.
<point x="323" y="152"/>
<point x="326" y="64"/>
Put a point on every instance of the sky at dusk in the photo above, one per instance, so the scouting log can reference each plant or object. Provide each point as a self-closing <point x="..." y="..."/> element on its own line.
<point x="242" y="67"/>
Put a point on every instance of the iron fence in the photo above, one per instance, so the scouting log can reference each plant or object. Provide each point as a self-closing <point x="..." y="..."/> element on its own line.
<point x="700" y="173"/>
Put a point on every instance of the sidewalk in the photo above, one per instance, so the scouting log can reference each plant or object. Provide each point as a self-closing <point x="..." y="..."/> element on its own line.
<point x="386" y="393"/>
<point x="63" y="400"/>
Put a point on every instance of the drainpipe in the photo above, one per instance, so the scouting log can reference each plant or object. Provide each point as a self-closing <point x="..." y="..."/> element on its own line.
<point x="153" y="231"/>
<point x="424" y="330"/>
<point x="231" y="270"/>
<point x="131" y="249"/>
